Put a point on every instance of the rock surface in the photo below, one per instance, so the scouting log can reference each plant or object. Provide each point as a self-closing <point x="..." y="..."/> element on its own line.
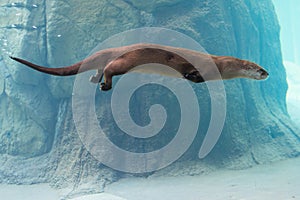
<point x="39" y="142"/>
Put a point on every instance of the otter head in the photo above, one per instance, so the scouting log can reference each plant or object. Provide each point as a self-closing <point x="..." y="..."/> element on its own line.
<point x="231" y="67"/>
<point x="252" y="70"/>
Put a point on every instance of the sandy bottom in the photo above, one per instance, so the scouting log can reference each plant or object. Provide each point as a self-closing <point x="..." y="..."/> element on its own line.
<point x="278" y="181"/>
<point x="28" y="192"/>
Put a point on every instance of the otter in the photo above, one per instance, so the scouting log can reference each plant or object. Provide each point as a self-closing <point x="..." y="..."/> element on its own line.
<point x="192" y="65"/>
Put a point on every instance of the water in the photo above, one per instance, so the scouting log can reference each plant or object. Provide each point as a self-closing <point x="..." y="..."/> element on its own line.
<point x="287" y="16"/>
<point x="150" y="136"/>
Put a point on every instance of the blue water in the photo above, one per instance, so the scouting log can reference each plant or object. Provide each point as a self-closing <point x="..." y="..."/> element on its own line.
<point x="148" y="130"/>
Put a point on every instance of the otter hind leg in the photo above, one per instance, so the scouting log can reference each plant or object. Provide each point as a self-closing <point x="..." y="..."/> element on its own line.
<point x="116" y="67"/>
<point x="97" y="78"/>
<point x="107" y="84"/>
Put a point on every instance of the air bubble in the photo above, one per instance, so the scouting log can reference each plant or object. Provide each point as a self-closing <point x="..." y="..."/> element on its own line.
<point x="34" y="27"/>
<point x="34" y="5"/>
<point x="59" y="36"/>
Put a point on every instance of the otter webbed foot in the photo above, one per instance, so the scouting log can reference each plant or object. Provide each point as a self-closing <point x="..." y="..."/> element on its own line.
<point x="105" y="87"/>
<point x="96" y="78"/>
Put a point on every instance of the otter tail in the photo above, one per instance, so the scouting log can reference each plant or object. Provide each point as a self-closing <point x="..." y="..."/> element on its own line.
<point x="62" y="71"/>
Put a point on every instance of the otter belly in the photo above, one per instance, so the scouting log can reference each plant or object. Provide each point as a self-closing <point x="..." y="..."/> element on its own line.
<point x="155" y="68"/>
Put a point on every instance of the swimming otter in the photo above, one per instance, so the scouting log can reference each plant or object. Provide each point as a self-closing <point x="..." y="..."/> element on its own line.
<point x="121" y="60"/>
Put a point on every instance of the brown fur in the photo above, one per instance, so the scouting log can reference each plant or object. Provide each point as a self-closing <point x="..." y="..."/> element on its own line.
<point x="192" y="65"/>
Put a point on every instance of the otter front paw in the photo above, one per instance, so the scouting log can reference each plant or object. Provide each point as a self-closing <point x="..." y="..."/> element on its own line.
<point x="194" y="77"/>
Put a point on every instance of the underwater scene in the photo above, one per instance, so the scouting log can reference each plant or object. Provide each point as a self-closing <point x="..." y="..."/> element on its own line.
<point x="143" y="100"/>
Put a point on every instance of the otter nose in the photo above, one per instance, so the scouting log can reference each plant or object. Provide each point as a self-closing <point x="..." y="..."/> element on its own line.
<point x="263" y="72"/>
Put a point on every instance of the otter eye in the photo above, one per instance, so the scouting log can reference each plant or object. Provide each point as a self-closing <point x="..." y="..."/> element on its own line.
<point x="262" y="72"/>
